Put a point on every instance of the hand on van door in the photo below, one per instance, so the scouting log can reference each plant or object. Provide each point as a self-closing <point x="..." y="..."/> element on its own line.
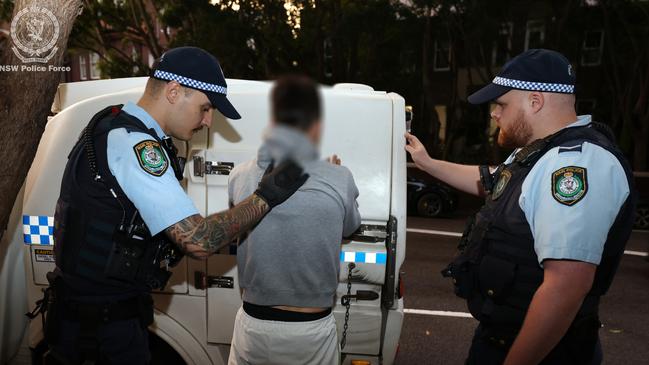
<point x="279" y="183"/>
<point x="417" y="151"/>
<point x="333" y="159"/>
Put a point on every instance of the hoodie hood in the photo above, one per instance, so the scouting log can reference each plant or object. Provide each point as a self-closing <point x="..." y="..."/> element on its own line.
<point x="281" y="143"/>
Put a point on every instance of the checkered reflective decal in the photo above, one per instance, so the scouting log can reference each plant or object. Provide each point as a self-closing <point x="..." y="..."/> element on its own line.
<point x="364" y="257"/>
<point x="535" y="86"/>
<point x="164" y="75"/>
<point x="38" y="229"/>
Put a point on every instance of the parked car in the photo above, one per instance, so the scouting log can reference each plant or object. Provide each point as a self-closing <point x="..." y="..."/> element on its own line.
<point x="430" y="198"/>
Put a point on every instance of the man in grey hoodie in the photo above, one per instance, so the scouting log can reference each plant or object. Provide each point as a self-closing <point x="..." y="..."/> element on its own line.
<point x="289" y="263"/>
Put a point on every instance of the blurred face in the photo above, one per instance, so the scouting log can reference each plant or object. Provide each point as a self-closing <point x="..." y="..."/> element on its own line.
<point x="191" y="112"/>
<point x="514" y="130"/>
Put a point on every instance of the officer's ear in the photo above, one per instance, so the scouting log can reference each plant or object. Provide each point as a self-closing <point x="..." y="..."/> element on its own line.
<point x="173" y="92"/>
<point x="535" y="101"/>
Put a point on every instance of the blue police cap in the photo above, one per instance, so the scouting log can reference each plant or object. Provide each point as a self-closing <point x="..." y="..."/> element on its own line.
<point x="196" y="68"/>
<point x="533" y="70"/>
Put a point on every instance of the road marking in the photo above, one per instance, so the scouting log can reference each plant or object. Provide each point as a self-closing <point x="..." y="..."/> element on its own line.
<point x="437" y="313"/>
<point x="636" y="253"/>
<point x="455" y="234"/>
<point x="428" y="231"/>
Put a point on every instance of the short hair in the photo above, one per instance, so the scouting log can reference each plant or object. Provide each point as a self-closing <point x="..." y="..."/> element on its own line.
<point x="295" y="102"/>
<point x="155" y="86"/>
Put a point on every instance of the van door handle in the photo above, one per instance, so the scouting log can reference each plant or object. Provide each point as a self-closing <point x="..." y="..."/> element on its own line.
<point x="360" y="295"/>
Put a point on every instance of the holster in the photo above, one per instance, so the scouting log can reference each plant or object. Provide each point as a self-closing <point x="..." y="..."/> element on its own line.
<point x="463" y="268"/>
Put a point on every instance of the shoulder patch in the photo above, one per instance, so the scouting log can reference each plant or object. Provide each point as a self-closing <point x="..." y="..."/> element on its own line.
<point x="151" y="158"/>
<point x="502" y="182"/>
<point x="569" y="185"/>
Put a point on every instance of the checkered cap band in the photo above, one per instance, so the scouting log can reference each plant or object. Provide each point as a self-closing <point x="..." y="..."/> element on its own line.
<point x="534" y="86"/>
<point x="186" y="81"/>
<point x="38" y="230"/>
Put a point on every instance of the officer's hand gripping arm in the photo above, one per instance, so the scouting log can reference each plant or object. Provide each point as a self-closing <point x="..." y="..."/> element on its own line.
<point x="200" y="237"/>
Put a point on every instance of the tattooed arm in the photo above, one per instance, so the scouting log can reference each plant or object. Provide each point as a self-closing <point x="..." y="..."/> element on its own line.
<point x="200" y="237"/>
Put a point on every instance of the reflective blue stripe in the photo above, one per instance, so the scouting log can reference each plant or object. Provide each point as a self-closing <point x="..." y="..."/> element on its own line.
<point x="360" y="256"/>
<point x="381" y="258"/>
<point x="378" y="258"/>
<point x="32" y="226"/>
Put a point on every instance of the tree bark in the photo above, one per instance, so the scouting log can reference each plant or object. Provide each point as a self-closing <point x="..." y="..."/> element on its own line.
<point x="25" y="101"/>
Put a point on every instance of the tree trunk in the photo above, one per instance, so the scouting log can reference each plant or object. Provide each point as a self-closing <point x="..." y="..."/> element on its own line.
<point x="26" y="96"/>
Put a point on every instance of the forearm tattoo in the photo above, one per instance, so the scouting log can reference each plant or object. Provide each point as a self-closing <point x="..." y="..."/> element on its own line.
<point x="200" y="237"/>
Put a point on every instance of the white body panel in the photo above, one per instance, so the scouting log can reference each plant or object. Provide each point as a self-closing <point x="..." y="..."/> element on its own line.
<point x="365" y="128"/>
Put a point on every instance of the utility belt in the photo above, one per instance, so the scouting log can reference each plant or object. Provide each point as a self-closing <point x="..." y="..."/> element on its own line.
<point x="56" y="306"/>
<point x="269" y="313"/>
<point x="103" y="313"/>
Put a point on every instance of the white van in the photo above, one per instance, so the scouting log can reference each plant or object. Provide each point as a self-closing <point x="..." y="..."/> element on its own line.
<point x="194" y="315"/>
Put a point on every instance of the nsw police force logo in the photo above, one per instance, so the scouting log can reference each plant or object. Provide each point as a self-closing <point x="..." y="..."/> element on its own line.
<point x="151" y="158"/>
<point x="35" y="31"/>
<point x="569" y="185"/>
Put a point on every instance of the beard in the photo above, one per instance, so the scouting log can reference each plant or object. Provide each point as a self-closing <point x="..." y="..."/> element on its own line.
<point x="517" y="134"/>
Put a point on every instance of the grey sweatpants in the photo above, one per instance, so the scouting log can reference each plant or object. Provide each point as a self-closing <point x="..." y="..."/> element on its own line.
<point x="260" y="342"/>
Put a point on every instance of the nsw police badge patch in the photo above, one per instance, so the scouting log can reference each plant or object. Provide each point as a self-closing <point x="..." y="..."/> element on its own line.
<point x="151" y="158"/>
<point x="503" y="180"/>
<point x="569" y="185"/>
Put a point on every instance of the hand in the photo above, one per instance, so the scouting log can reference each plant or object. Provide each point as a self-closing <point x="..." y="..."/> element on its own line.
<point x="417" y="151"/>
<point x="279" y="183"/>
<point x="369" y="272"/>
<point x="333" y="159"/>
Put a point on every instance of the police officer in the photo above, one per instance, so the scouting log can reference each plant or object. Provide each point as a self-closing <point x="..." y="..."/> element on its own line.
<point x="122" y="214"/>
<point x="544" y="248"/>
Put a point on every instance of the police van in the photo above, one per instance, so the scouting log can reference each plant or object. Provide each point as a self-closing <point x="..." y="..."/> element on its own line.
<point x="195" y="312"/>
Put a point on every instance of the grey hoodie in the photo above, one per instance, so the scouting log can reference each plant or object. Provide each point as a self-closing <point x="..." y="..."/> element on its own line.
<point x="292" y="257"/>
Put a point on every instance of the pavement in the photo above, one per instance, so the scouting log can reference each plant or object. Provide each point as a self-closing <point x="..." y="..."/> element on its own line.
<point x="444" y="338"/>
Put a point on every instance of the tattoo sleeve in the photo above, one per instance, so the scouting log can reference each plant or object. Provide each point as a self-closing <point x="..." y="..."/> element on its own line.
<point x="200" y="237"/>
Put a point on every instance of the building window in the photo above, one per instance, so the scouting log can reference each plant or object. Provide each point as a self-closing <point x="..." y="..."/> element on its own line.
<point x="591" y="50"/>
<point x="442" y="57"/>
<point x="503" y="46"/>
<point x="151" y="59"/>
<point x="327" y="52"/>
<point x="94" y="66"/>
<point x="83" y="67"/>
<point x="534" y="34"/>
<point x="441" y="115"/>
<point x="586" y="106"/>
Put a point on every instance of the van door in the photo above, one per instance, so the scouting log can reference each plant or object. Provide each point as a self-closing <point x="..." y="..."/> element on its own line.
<point x="358" y="128"/>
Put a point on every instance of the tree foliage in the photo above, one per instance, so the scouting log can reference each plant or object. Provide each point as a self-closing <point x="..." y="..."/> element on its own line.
<point x="393" y="45"/>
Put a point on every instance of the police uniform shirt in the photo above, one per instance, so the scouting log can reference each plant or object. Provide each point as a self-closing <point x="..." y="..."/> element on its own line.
<point x="571" y="198"/>
<point x="152" y="187"/>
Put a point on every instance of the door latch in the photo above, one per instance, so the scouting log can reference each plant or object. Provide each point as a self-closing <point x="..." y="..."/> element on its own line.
<point x="202" y="167"/>
<point x="203" y="281"/>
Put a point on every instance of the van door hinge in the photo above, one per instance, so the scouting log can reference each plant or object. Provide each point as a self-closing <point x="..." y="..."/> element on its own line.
<point x="202" y="167"/>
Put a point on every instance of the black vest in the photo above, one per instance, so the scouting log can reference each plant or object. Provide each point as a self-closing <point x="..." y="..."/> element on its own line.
<point x="91" y="211"/>
<point x="498" y="270"/>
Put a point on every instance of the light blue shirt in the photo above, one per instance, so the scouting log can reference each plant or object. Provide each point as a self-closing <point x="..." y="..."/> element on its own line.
<point x="160" y="200"/>
<point x="579" y="231"/>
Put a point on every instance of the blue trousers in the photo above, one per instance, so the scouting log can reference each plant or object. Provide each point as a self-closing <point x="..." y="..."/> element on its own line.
<point x="483" y="352"/>
<point x="120" y="342"/>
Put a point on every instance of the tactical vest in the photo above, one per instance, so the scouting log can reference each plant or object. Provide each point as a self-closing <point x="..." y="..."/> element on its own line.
<point x="498" y="271"/>
<point x="102" y="246"/>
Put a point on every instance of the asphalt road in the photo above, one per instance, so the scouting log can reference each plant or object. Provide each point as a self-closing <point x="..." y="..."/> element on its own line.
<point x="440" y="339"/>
